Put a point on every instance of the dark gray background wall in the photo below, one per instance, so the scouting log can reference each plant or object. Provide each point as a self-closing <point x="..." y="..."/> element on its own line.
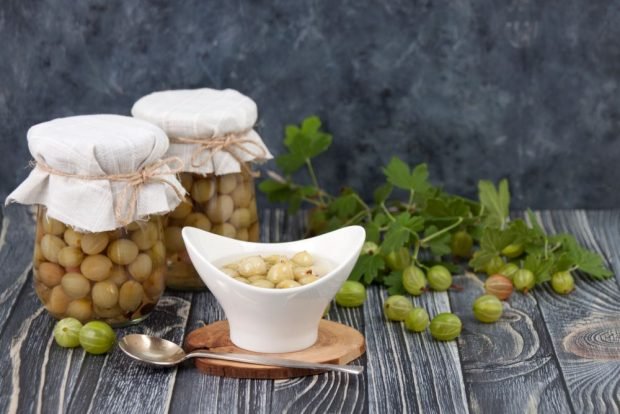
<point x="524" y="89"/>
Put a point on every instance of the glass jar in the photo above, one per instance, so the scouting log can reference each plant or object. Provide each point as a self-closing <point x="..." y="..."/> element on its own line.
<point x="115" y="276"/>
<point x="224" y="205"/>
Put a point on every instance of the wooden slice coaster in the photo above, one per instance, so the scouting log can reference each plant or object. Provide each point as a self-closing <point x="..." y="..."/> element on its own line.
<point x="336" y="344"/>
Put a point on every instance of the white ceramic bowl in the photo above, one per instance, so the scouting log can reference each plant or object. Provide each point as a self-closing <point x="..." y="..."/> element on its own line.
<point x="274" y="320"/>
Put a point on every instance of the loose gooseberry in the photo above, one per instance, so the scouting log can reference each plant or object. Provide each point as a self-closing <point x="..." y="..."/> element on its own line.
<point x="439" y="278"/>
<point x="370" y="248"/>
<point x="498" y="285"/>
<point x="523" y="280"/>
<point x="67" y="332"/>
<point x="351" y="294"/>
<point x="461" y="244"/>
<point x="488" y="308"/>
<point x="446" y="326"/>
<point x="508" y="270"/>
<point x="396" y="308"/>
<point x="97" y="337"/>
<point x="513" y="250"/>
<point x="414" y="280"/>
<point x="494" y="265"/>
<point x="416" y="320"/>
<point x="398" y="259"/>
<point x="562" y="282"/>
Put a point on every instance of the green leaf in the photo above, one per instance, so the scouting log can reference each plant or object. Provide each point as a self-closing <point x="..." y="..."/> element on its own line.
<point x="585" y="260"/>
<point x="303" y="144"/>
<point x="367" y="268"/>
<point x="394" y="283"/>
<point x="400" y="231"/>
<point x="382" y="193"/>
<point x="276" y="191"/>
<point x="308" y="141"/>
<point x="439" y="245"/>
<point x="344" y="206"/>
<point x="373" y="233"/>
<point x="447" y="207"/>
<point x="540" y="266"/>
<point x="481" y="259"/>
<point x="289" y="163"/>
<point x="398" y="174"/>
<point x="495" y="201"/>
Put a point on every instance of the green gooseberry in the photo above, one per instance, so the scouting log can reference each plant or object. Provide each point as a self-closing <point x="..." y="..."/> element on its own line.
<point x="562" y="282"/>
<point x="351" y="294"/>
<point x="67" y="332"/>
<point x="461" y="244"/>
<point x="396" y="308"/>
<point x="494" y="265"/>
<point x="414" y="280"/>
<point x="488" y="308"/>
<point x="97" y="337"/>
<point x="523" y="280"/>
<point x="370" y="248"/>
<point x="439" y="278"/>
<point x="398" y="259"/>
<point x="417" y="320"/>
<point x="513" y="250"/>
<point x="508" y="270"/>
<point x="446" y="326"/>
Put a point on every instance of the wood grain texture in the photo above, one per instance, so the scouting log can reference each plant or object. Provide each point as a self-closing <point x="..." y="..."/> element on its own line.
<point x="336" y="344"/>
<point x="584" y="326"/>
<point x="549" y="353"/>
<point x="508" y="366"/>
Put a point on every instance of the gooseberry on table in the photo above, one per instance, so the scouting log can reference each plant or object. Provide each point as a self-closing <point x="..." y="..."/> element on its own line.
<point x="414" y="280"/>
<point x="351" y="294"/>
<point x="67" y="332"/>
<point x="396" y="307"/>
<point x="439" y="278"/>
<point x="523" y="280"/>
<point x="488" y="308"/>
<point x="446" y="326"/>
<point x="417" y="320"/>
<point x="562" y="282"/>
<point x="97" y="337"/>
<point x="498" y="285"/>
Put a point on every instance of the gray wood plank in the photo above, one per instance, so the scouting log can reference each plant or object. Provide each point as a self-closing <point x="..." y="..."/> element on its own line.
<point x="126" y="386"/>
<point x="327" y="392"/>
<point x="16" y="249"/>
<point x="584" y="326"/>
<point x="409" y="372"/>
<point x="509" y="365"/>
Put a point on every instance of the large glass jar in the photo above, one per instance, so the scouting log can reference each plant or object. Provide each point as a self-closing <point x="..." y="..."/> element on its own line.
<point x="116" y="276"/>
<point x="225" y="205"/>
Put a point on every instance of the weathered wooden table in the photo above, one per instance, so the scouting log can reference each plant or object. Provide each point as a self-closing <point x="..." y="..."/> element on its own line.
<point x="548" y="353"/>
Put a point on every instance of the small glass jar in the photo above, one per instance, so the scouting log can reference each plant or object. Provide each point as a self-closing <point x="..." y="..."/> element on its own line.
<point x="115" y="276"/>
<point x="224" y="205"/>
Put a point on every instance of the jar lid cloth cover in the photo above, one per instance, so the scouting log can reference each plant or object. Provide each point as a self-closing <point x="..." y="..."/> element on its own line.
<point x="100" y="172"/>
<point x="210" y="130"/>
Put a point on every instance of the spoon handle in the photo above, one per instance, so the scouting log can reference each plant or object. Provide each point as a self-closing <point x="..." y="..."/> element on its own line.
<point x="273" y="361"/>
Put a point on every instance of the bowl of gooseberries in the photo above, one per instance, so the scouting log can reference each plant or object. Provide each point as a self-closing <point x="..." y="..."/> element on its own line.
<point x="274" y="294"/>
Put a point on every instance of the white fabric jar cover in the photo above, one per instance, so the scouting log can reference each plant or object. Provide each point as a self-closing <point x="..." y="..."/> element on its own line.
<point x="100" y="172"/>
<point x="210" y="130"/>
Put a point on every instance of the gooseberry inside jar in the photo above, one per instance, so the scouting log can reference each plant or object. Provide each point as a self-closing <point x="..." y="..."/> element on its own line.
<point x="115" y="276"/>
<point x="224" y="205"/>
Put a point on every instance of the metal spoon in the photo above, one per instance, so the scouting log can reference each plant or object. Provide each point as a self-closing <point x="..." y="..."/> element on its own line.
<point x="163" y="353"/>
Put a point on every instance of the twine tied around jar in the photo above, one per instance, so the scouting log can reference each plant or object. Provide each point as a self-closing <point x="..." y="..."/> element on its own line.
<point x="227" y="143"/>
<point x="129" y="197"/>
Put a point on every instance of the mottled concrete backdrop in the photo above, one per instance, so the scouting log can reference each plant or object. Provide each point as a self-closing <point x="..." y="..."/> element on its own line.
<point x="478" y="89"/>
